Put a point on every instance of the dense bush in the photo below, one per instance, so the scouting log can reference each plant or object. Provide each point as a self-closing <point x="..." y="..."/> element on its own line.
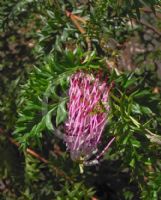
<point x="43" y="44"/>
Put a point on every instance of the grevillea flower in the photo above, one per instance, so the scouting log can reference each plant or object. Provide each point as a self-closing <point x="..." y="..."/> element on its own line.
<point x="88" y="110"/>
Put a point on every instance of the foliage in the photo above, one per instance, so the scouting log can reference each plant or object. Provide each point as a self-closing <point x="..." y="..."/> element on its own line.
<point x="33" y="101"/>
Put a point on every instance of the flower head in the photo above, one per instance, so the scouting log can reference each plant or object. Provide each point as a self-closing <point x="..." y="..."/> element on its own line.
<point x="87" y="113"/>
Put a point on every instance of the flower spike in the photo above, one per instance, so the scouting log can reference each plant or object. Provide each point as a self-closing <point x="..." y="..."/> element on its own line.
<point x="88" y="109"/>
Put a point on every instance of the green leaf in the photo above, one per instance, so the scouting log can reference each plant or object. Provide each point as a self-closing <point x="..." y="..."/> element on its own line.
<point x="135" y="143"/>
<point x="132" y="163"/>
<point x="142" y="93"/>
<point x="130" y="82"/>
<point x="37" y="129"/>
<point x="48" y="121"/>
<point x="136" y="108"/>
<point x="61" y="113"/>
<point x="135" y="122"/>
<point x="146" y="110"/>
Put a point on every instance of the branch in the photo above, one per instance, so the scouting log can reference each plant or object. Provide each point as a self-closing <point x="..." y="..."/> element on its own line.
<point x="69" y="14"/>
<point x="39" y="157"/>
<point x="150" y="27"/>
<point x="75" y="19"/>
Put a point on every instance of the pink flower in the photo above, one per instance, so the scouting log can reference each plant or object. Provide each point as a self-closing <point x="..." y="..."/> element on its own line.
<point x="88" y="110"/>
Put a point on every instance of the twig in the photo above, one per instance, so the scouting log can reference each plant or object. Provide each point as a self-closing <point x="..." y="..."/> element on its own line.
<point x="75" y="19"/>
<point x="39" y="157"/>
<point x="151" y="27"/>
<point x="69" y="14"/>
<point x="148" y="10"/>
